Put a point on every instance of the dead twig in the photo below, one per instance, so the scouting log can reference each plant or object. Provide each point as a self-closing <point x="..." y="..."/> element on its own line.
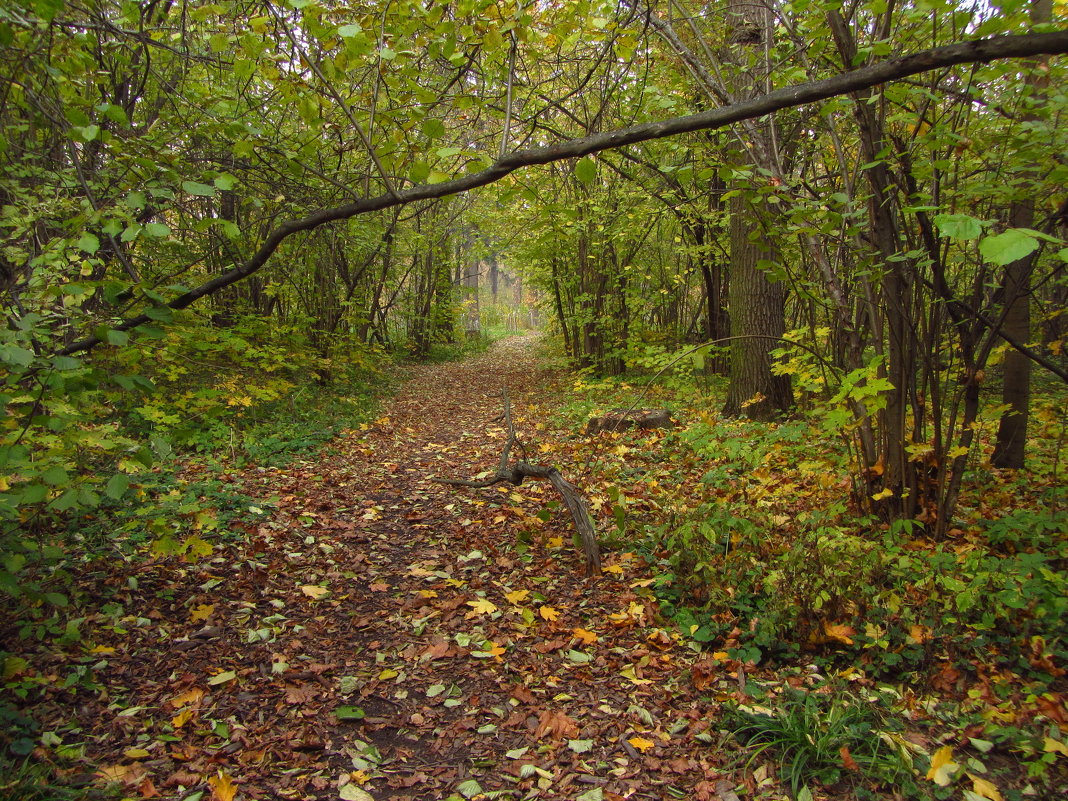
<point x="514" y="473"/>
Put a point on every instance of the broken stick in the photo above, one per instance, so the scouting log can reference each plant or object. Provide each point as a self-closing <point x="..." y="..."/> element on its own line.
<point x="521" y="469"/>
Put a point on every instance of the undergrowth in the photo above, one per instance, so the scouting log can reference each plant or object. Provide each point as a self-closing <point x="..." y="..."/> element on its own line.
<point x="759" y="553"/>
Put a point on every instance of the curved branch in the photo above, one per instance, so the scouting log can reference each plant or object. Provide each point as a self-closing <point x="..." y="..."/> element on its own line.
<point x="980" y="50"/>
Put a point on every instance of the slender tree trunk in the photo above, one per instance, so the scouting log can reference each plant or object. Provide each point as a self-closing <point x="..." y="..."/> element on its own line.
<point x="1011" y="443"/>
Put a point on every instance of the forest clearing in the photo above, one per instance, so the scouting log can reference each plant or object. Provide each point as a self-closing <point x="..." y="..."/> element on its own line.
<point x="636" y="399"/>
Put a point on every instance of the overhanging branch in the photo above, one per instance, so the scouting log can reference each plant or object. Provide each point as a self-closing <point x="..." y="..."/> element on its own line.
<point x="980" y="50"/>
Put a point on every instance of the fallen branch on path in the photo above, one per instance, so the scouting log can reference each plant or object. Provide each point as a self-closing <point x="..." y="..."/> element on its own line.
<point x="515" y="473"/>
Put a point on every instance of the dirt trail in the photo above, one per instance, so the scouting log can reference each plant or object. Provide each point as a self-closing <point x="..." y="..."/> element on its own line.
<point x="458" y="623"/>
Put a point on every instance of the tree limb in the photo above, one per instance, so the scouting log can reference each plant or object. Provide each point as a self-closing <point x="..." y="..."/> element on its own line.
<point x="515" y="474"/>
<point x="980" y="50"/>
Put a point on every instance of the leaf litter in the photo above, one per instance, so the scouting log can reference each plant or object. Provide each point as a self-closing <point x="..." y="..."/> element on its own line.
<point x="381" y="635"/>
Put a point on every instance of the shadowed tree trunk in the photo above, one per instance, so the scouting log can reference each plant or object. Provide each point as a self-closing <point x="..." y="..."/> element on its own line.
<point x="757" y="304"/>
<point x="1011" y="444"/>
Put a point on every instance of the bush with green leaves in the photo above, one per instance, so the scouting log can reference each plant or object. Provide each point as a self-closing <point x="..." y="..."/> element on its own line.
<point x="824" y="737"/>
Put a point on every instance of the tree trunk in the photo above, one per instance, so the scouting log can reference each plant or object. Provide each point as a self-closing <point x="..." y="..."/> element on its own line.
<point x="756" y="320"/>
<point x="1011" y="444"/>
<point x="757" y="305"/>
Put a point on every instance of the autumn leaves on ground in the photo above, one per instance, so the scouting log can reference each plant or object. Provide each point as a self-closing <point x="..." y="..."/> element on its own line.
<point x="385" y="636"/>
<point x="361" y="630"/>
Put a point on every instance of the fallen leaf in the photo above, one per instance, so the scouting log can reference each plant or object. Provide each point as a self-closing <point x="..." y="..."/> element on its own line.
<point x="202" y="612"/>
<point x="587" y="637"/>
<point x="641" y="743"/>
<point x="516" y="596"/>
<point x="1051" y="746"/>
<point x="379" y="586"/>
<point x="557" y="725"/>
<point x="628" y="673"/>
<point x="301" y="693"/>
<point x="314" y="591"/>
<point x="483" y="606"/>
<point x="183" y="717"/>
<point x="124" y="774"/>
<point x="984" y="788"/>
<point x="222" y="678"/>
<point x="616" y="569"/>
<point x="839" y="632"/>
<point x="942" y="766"/>
<point x="350" y="792"/>
<point x="191" y="696"/>
<point x="549" y="613"/>
<point x="919" y="634"/>
<point x="847" y="759"/>
<point x="222" y="787"/>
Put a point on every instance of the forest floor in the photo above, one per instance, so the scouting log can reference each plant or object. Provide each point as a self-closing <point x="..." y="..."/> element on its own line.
<point x="363" y="632"/>
<point x="384" y="636"/>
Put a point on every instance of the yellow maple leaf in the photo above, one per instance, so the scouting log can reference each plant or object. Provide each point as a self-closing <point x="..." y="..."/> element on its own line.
<point x="636" y="611"/>
<point x="985" y="789"/>
<point x="839" y="632"/>
<point x="549" y="613"/>
<point x="197" y="546"/>
<point x="222" y="787"/>
<point x="202" y="612"/>
<point x="886" y="493"/>
<point x="102" y="649"/>
<point x="1049" y="745"/>
<point x="516" y="596"/>
<point x="556" y="542"/>
<point x="483" y="606"/>
<point x="314" y="591"/>
<point x="428" y="594"/>
<point x="641" y="743"/>
<point x="919" y="634"/>
<point x="942" y="766"/>
<point x="587" y="637"/>
<point x="188" y="697"/>
<point x="183" y="717"/>
<point x="616" y="569"/>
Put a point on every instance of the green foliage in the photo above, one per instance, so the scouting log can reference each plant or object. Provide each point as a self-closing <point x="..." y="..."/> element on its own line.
<point x="824" y="736"/>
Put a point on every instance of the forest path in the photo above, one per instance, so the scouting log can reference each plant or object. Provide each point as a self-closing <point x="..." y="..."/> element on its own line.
<point x="478" y="664"/>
